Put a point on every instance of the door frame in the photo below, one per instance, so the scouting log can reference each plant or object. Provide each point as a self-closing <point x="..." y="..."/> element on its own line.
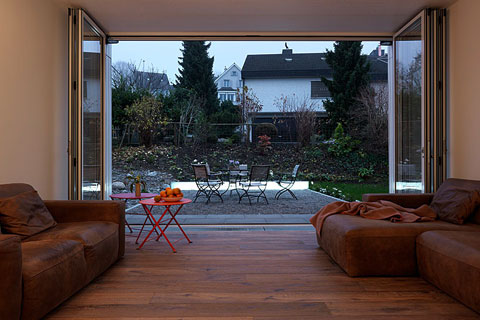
<point x="434" y="103"/>
<point x="75" y="102"/>
<point x="395" y="107"/>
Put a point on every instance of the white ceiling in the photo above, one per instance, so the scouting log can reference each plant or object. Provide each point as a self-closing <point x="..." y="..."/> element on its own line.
<point x="322" y="17"/>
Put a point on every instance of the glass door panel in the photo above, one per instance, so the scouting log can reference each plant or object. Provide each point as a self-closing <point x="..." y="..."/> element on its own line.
<point x="409" y="95"/>
<point x="86" y="107"/>
<point x="92" y="101"/>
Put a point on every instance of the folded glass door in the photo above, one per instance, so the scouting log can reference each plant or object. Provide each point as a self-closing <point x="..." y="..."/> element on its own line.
<point x="86" y="107"/>
<point x="420" y="103"/>
<point x="409" y="107"/>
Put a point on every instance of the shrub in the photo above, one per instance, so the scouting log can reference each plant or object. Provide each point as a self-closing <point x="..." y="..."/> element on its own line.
<point x="235" y="138"/>
<point x="342" y="144"/>
<point x="364" y="173"/>
<point x="211" y="138"/>
<point x="266" y="129"/>
<point x="264" y="144"/>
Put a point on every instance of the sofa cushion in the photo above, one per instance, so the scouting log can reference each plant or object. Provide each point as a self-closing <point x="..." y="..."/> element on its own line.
<point x="451" y="261"/>
<point x="25" y="214"/>
<point x="99" y="238"/>
<point x="456" y="200"/>
<point x="364" y="247"/>
<point x="11" y="189"/>
<point x="52" y="271"/>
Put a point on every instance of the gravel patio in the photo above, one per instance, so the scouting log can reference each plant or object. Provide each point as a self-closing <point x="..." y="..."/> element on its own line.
<point x="284" y="210"/>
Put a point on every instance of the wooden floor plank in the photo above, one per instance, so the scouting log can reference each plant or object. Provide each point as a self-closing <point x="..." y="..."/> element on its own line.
<point x="246" y="275"/>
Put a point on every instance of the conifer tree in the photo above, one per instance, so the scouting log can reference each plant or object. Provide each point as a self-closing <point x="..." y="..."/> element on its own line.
<point x="196" y="74"/>
<point x="350" y="74"/>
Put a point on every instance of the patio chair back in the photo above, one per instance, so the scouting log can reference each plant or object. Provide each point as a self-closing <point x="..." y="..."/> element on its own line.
<point x="295" y="171"/>
<point x="259" y="173"/>
<point x="200" y="171"/>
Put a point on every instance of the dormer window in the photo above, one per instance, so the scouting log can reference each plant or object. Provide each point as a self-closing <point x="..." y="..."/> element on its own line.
<point x="226" y="83"/>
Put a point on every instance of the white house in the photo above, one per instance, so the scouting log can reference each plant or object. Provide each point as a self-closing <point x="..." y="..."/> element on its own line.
<point x="228" y="83"/>
<point x="271" y="76"/>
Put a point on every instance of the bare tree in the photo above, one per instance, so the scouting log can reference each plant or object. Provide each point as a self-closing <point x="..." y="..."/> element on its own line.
<point x="249" y="106"/>
<point x="304" y="112"/>
<point x="189" y="111"/>
<point x="372" y="114"/>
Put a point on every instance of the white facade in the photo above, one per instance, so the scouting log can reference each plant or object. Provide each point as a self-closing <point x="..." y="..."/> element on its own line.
<point x="228" y="83"/>
<point x="270" y="90"/>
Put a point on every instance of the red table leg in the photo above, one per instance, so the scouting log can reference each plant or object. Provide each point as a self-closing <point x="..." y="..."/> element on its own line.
<point x="126" y="222"/>
<point x="178" y="224"/>
<point x="157" y="225"/>
<point x="143" y="226"/>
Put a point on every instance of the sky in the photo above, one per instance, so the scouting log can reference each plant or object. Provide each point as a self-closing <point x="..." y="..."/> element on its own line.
<point x="163" y="55"/>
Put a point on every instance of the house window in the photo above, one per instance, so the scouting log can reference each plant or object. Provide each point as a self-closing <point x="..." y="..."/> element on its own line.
<point x="319" y="90"/>
<point x="226" y="83"/>
<point x="234" y="73"/>
<point x="222" y="97"/>
<point x="231" y="96"/>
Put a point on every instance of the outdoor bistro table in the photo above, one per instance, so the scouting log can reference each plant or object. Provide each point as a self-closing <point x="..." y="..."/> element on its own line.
<point x="149" y="204"/>
<point x="234" y="176"/>
<point x="131" y="196"/>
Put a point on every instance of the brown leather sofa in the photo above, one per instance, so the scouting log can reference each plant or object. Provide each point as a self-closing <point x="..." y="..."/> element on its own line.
<point x="42" y="271"/>
<point x="445" y="254"/>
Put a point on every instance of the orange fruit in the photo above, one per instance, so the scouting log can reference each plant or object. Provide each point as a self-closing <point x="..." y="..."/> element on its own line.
<point x="169" y="192"/>
<point x="166" y="189"/>
<point x="171" y="196"/>
<point x="177" y="191"/>
<point x="180" y="195"/>
<point x="163" y="193"/>
<point x="157" y="198"/>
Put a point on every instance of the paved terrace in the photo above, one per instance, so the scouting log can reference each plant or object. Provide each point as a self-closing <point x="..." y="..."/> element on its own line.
<point x="286" y="210"/>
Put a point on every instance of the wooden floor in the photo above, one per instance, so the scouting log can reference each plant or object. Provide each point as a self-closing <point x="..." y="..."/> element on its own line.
<point x="250" y="275"/>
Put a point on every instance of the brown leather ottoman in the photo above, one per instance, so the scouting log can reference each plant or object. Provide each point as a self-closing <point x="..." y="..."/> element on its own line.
<point x="364" y="247"/>
<point x="450" y="260"/>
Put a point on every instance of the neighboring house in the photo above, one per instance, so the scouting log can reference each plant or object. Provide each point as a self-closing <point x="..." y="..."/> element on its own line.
<point x="271" y="76"/>
<point x="228" y="83"/>
<point x="154" y="82"/>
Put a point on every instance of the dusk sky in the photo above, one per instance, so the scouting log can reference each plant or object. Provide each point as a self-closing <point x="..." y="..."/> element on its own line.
<point x="163" y="55"/>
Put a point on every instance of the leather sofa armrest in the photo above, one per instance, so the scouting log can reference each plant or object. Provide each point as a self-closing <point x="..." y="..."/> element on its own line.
<point x="85" y="210"/>
<point x="403" y="199"/>
<point x="11" y="271"/>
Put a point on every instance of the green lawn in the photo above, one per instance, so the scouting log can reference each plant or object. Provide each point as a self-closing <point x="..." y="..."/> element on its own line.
<point x="348" y="191"/>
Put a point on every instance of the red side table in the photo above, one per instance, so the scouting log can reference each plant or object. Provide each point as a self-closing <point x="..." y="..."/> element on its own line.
<point x="131" y="196"/>
<point x="149" y="204"/>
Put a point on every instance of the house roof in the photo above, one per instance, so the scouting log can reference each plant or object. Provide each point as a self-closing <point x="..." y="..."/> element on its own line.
<point x="302" y="65"/>
<point x="226" y="70"/>
<point x="152" y="80"/>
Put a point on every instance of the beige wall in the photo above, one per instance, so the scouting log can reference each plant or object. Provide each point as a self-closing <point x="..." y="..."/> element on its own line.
<point x="464" y="82"/>
<point x="33" y="95"/>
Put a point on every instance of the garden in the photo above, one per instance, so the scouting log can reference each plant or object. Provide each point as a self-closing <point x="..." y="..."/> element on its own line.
<point x="159" y="135"/>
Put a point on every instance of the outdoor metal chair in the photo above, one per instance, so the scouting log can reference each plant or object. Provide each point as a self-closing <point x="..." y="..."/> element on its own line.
<point x="286" y="185"/>
<point x="256" y="184"/>
<point x="206" y="185"/>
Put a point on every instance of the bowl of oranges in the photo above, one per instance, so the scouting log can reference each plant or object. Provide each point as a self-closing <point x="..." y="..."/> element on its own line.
<point x="171" y="195"/>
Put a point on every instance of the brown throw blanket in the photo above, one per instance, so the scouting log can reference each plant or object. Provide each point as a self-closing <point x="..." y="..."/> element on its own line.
<point x="378" y="210"/>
